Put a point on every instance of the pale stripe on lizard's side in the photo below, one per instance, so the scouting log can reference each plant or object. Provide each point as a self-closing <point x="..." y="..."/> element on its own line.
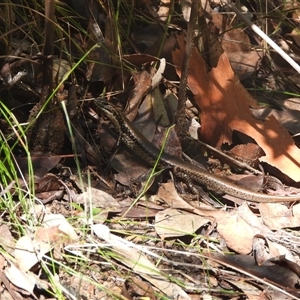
<point x="138" y="144"/>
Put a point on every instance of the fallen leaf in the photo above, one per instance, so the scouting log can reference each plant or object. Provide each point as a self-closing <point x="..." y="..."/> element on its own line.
<point x="6" y="239"/>
<point x="264" y="250"/>
<point x="246" y="153"/>
<point x="52" y="235"/>
<point x="172" y="223"/>
<point x="142" y="86"/>
<point x="282" y="279"/>
<point x="129" y="255"/>
<point x="42" y="163"/>
<point x="167" y="192"/>
<point x="237" y="233"/>
<point x="29" y="251"/>
<point x="97" y="198"/>
<point x="59" y="221"/>
<point x="288" y="118"/>
<point x="252" y="291"/>
<point x="139" y="288"/>
<point x="19" y="278"/>
<point x="237" y="45"/>
<point x="277" y="216"/>
<point x="224" y="103"/>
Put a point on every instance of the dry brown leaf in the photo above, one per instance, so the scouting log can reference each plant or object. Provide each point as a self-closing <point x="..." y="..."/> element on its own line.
<point x="134" y="259"/>
<point x="41" y="163"/>
<point x="138" y="212"/>
<point x="239" y="227"/>
<point x="244" y="63"/>
<point x="49" y="188"/>
<point x="237" y="45"/>
<point x="159" y="110"/>
<point x="224" y="105"/>
<point x="134" y="286"/>
<point x="6" y="239"/>
<point x="237" y="233"/>
<point x="142" y="86"/>
<point x="252" y="291"/>
<point x="29" y="252"/>
<point x="173" y="223"/>
<point x="97" y="198"/>
<point x="20" y="278"/>
<point x="151" y="113"/>
<point x="277" y="216"/>
<point x="52" y="235"/>
<point x="49" y="182"/>
<point x="59" y="221"/>
<point x="280" y="278"/>
<point x="295" y="35"/>
<point x="247" y="153"/>
<point x="260" y="251"/>
<point x="168" y="193"/>
<point x="288" y="118"/>
<point x="94" y="198"/>
<point x="264" y="250"/>
<point x="232" y="39"/>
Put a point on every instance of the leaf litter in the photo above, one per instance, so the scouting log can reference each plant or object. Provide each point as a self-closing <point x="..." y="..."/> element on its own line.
<point x="148" y="237"/>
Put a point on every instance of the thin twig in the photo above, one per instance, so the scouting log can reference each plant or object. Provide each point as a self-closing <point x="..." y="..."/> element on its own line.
<point x="180" y="122"/>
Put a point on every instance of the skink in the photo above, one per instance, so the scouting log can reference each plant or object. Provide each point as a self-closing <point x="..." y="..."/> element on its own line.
<point x="139" y="145"/>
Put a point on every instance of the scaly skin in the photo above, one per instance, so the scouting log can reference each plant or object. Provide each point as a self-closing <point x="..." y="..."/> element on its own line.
<point x="139" y="145"/>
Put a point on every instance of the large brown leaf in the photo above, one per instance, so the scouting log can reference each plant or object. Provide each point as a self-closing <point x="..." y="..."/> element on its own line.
<point x="224" y="103"/>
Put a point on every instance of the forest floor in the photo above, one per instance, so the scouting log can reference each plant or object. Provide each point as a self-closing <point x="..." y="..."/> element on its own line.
<point x="90" y="209"/>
